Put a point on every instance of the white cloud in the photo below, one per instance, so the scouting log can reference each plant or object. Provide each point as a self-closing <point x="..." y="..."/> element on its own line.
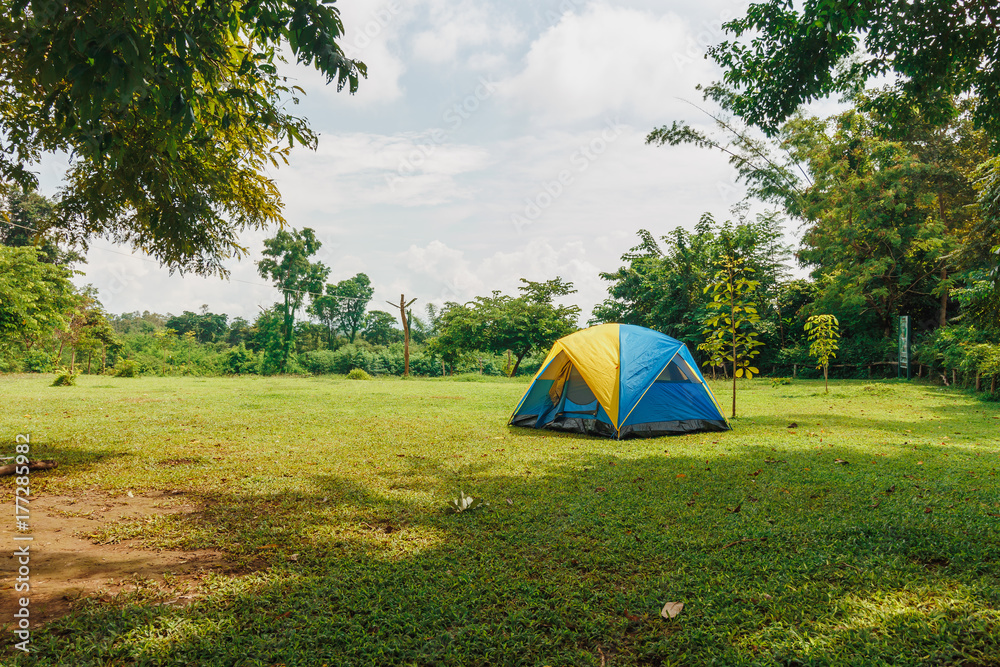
<point x="458" y="26"/>
<point x="461" y="278"/>
<point x="607" y="60"/>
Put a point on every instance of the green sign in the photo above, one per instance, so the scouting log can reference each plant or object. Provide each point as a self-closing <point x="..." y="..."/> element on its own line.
<point x="903" y="369"/>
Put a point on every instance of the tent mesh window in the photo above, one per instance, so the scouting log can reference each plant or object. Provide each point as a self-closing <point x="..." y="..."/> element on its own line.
<point x="577" y="389"/>
<point x="677" y="371"/>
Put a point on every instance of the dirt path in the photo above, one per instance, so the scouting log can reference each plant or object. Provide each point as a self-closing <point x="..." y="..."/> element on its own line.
<point x="67" y="566"/>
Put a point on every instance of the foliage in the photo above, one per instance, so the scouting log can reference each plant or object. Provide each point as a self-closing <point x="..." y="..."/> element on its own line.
<point x="343" y="306"/>
<point x="358" y="374"/>
<point x="171" y="110"/>
<point x="498" y="323"/>
<point x="34" y="296"/>
<point x="126" y="368"/>
<point x="207" y="327"/>
<point x="24" y="217"/>
<point x="64" y="378"/>
<point x="783" y="55"/>
<point x="38" y="361"/>
<point x="464" y="503"/>
<point x="238" y="360"/>
<point x="286" y="263"/>
<point x="662" y="287"/>
<point x="729" y="334"/>
<point x="823" y="332"/>
<point x="379" y="328"/>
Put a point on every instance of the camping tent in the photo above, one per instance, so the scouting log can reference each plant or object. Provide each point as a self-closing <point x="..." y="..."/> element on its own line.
<point x="620" y="381"/>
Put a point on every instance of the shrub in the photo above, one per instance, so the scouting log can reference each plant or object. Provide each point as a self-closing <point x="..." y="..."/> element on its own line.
<point x="126" y="368"/>
<point x="358" y="374"/>
<point x="38" y="361"/>
<point x="64" y="378"/>
<point x="239" y="361"/>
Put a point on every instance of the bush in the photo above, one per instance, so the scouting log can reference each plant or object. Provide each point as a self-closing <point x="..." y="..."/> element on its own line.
<point x="358" y="374"/>
<point x="239" y="361"/>
<point x="126" y="368"/>
<point x="64" y="378"/>
<point x="38" y="361"/>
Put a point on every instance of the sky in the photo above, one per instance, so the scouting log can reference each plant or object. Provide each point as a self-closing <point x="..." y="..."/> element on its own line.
<point x="491" y="141"/>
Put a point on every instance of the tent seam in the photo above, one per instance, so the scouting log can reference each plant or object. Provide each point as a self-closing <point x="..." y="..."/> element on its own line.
<point x="643" y="394"/>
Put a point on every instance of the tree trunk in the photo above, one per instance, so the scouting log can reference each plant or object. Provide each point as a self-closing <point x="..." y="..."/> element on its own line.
<point x="943" y="309"/>
<point x="977" y="380"/>
<point x="104" y="358"/>
<point x="90" y="355"/>
<point x="826" y="377"/>
<point x="518" y="362"/>
<point x="72" y="359"/>
<point x="59" y="353"/>
<point x="403" y="305"/>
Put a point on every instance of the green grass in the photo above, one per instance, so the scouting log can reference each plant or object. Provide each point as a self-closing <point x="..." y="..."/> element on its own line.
<point x="334" y="491"/>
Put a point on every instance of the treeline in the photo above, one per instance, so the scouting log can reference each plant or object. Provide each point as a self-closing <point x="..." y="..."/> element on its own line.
<point x="895" y="220"/>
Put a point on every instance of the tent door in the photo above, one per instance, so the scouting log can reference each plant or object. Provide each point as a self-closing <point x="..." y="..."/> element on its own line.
<point x="577" y="399"/>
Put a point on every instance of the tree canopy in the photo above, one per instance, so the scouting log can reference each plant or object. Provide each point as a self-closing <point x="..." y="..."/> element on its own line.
<point x="785" y="54"/>
<point x="170" y="111"/>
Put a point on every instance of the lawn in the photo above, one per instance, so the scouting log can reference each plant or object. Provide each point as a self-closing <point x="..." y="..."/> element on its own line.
<point x="856" y="528"/>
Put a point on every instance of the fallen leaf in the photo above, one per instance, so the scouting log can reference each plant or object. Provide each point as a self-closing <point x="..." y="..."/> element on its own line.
<point x="891" y="489"/>
<point x="510" y="502"/>
<point x="680" y="475"/>
<point x="927" y="510"/>
<point x="671" y="609"/>
<point x="920" y="463"/>
<point x="793" y="425"/>
<point x="294" y="557"/>
<point x="600" y="489"/>
<point x="269" y="546"/>
<point x="841" y="461"/>
<point x="736" y="509"/>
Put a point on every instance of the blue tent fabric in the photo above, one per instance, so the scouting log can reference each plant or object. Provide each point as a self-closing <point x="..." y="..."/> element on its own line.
<point x="660" y="390"/>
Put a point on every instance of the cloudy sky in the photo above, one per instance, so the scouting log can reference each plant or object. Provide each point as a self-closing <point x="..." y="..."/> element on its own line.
<point x="491" y="141"/>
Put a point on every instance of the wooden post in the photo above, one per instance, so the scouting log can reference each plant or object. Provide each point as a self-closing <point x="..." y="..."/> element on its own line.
<point x="795" y="370"/>
<point x="977" y="380"/>
<point x="403" y="305"/>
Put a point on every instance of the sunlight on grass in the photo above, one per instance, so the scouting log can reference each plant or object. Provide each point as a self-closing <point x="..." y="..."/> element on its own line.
<point x="859" y="527"/>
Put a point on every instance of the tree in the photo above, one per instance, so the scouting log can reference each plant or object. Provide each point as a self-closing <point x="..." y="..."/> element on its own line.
<point x="662" y="285"/>
<point x="379" y="328"/>
<point x="403" y="306"/>
<point x="286" y="263"/>
<point x="729" y="333"/>
<point x="501" y="323"/>
<point x="934" y="50"/>
<point x="34" y="296"/>
<point x="207" y="327"/>
<point x="170" y="109"/>
<point x="24" y="217"/>
<point x="343" y="306"/>
<point x="823" y="332"/>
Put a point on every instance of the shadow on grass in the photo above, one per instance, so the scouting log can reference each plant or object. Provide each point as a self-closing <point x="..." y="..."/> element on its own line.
<point x="779" y="556"/>
<point x="70" y="459"/>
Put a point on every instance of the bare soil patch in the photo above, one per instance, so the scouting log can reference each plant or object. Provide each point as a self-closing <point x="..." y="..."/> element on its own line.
<point x="67" y="566"/>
